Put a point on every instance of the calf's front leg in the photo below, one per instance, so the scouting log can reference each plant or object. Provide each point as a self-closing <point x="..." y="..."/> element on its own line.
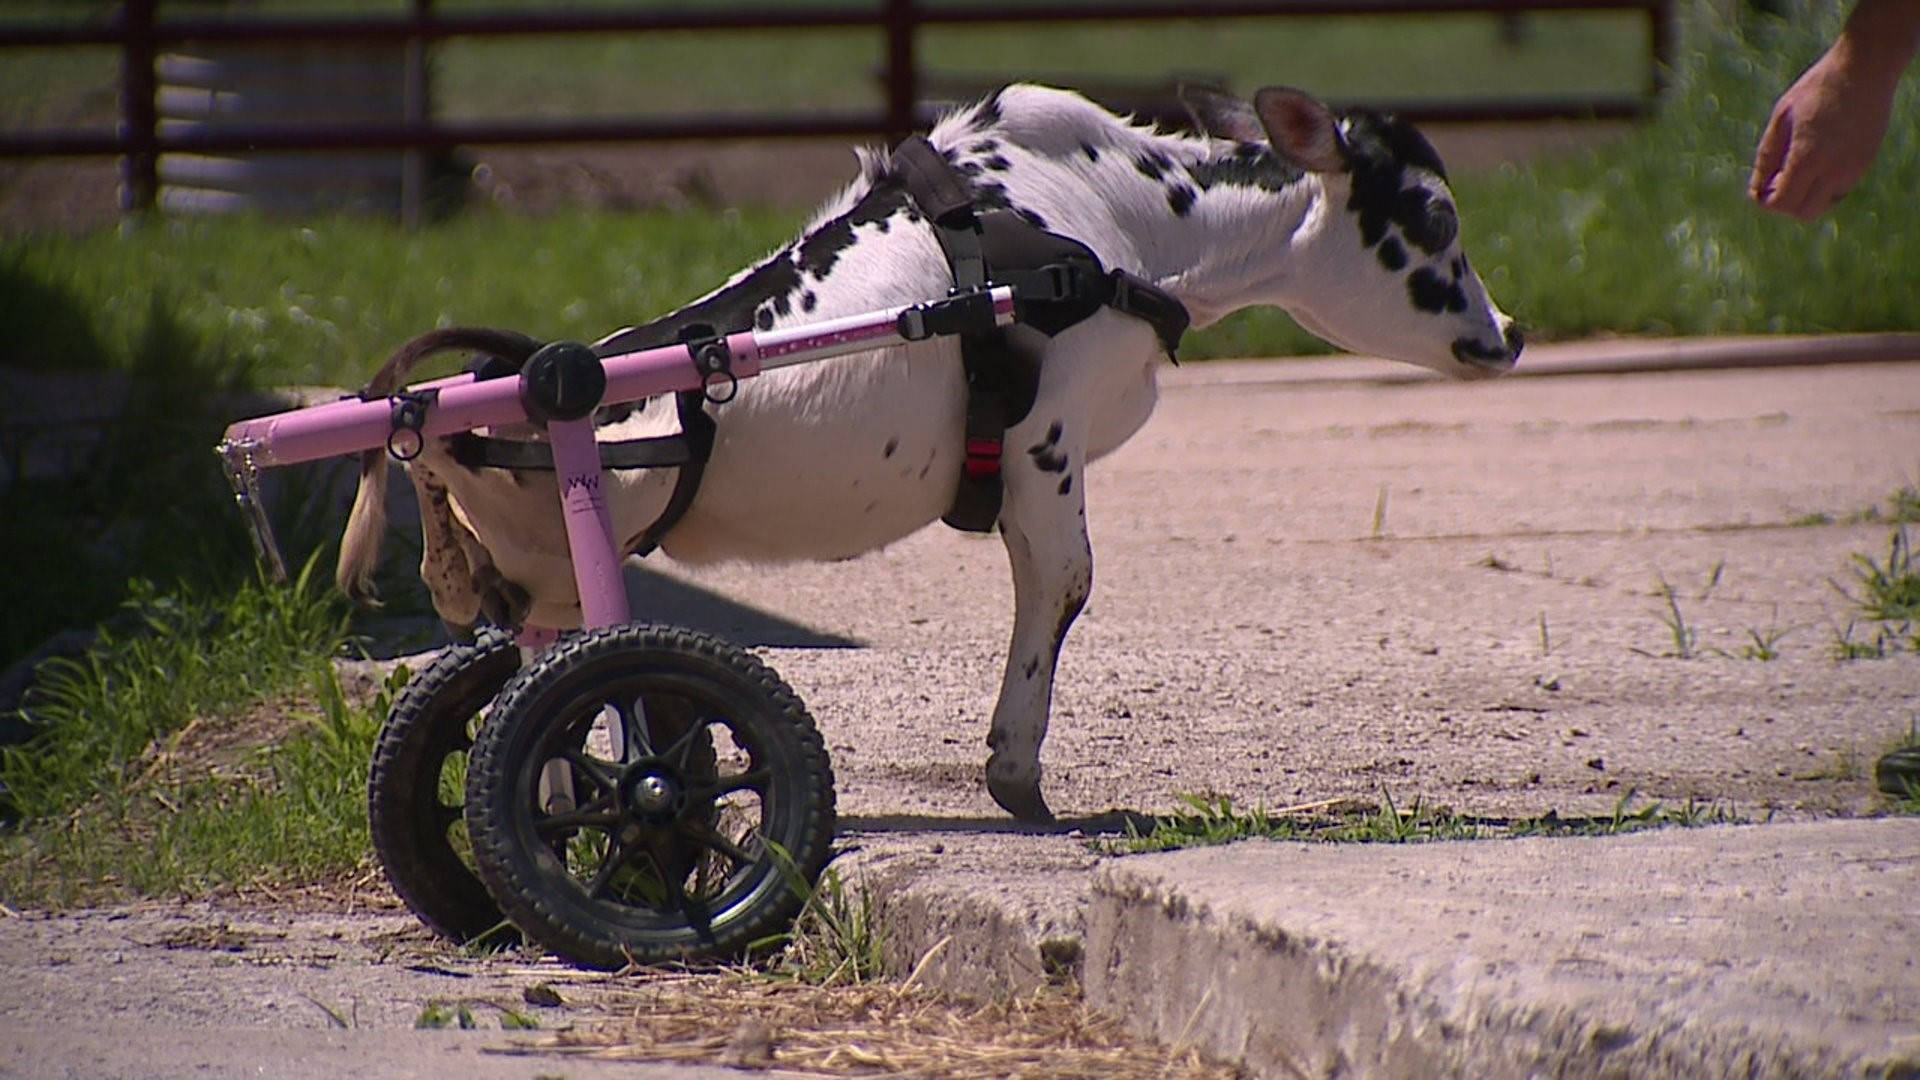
<point x="1043" y="523"/>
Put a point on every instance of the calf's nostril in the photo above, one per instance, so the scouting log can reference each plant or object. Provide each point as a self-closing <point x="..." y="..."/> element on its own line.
<point x="1516" y="341"/>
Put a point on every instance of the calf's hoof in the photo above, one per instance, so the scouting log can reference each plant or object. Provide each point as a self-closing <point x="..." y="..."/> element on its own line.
<point x="1021" y="798"/>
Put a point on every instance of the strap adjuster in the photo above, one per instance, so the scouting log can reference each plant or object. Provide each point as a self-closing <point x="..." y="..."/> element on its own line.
<point x="983" y="458"/>
<point x="967" y="311"/>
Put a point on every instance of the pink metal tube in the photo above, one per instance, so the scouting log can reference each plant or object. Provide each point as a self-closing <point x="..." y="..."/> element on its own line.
<point x="596" y="561"/>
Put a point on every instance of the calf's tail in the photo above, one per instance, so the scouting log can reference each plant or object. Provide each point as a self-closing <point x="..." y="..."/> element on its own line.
<point x="367" y="521"/>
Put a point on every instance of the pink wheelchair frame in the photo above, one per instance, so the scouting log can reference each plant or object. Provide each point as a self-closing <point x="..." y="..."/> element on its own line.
<point x="535" y="783"/>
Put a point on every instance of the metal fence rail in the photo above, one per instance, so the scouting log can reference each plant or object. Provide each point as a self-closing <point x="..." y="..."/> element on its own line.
<point x="138" y="32"/>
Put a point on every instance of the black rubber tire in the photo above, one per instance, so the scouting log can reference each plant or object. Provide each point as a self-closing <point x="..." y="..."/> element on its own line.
<point x="432" y="722"/>
<point x="547" y="713"/>
<point x="1897" y="773"/>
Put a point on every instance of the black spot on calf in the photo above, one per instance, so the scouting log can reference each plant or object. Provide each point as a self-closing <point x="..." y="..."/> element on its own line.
<point x="1249" y="165"/>
<point x="1092" y="151"/>
<point x="1431" y="292"/>
<point x="1153" y="164"/>
<point x="991" y="195"/>
<point x="820" y="249"/>
<point x="1049" y="459"/>
<point x="1180" y="199"/>
<point x="1392" y="255"/>
<point x="1046" y="453"/>
<point x="1381" y="151"/>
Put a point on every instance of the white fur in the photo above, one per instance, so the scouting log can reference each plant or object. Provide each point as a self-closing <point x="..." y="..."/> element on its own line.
<point x="800" y="469"/>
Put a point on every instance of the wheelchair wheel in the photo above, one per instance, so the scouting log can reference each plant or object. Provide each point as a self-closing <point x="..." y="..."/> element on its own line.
<point x="643" y="794"/>
<point x="417" y="785"/>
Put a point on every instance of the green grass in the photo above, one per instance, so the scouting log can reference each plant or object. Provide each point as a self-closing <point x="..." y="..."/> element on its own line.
<point x="324" y="301"/>
<point x="1902" y="794"/>
<point x="838" y="939"/>
<point x="1651" y="235"/>
<point x="1886" y="594"/>
<point x="105" y="808"/>
<point x="175" y="657"/>
<point x="1655" y="234"/>
<point x="1887" y="591"/>
<point x="1207" y="820"/>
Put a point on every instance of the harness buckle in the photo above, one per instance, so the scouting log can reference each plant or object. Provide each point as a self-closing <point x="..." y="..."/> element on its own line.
<point x="967" y="311"/>
<point x="408" y="415"/>
<point x="1058" y="281"/>
<point x="714" y="361"/>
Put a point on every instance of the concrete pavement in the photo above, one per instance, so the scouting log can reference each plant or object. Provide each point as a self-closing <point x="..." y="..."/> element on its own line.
<point x="1324" y="579"/>
<point x="1478" y="568"/>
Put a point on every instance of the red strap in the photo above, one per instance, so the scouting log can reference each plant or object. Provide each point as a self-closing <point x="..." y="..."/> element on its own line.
<point x="983" y="459"/>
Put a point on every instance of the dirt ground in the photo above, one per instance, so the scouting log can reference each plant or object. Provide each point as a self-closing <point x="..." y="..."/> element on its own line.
<point x="274" y="988"/>
<point x="1433" y="592"/>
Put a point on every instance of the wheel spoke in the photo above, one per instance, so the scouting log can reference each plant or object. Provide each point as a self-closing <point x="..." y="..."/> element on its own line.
<point x="707" y="836"/>
<point x="618" y="857"/>
<point x="633" y="727"/>
<point x="585" y="817"/>
<point x="755" y="781"/>
<point x="596" y="770"/>
<point x="677" y="871"/>
<point x="681" y="752"/>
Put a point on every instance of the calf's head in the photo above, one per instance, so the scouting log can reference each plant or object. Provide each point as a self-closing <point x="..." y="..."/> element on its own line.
<point x="1384" y="271"/>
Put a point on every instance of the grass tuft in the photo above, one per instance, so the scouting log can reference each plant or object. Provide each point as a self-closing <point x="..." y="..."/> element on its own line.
<point x="1682" y="637"/>
<point x="1887" y="594"/>
<point x="838" y="939"/>
<point x="1888" y="591"/>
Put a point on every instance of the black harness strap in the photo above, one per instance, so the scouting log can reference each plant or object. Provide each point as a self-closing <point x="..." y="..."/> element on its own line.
<point x="480" y="451"/>
<point x="1057" y="281"/>
<point x="696" y="431"/>
<point x="687" y="451"/>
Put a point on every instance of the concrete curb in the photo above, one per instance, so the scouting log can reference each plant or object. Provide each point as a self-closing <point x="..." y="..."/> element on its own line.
<point x="1617" y="356"/>
<point x="1751" y="951"/>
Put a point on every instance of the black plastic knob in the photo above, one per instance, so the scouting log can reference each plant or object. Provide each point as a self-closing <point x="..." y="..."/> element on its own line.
<point x="562" y="381"/>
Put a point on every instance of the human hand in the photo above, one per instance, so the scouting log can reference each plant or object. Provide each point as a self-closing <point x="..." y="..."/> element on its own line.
<point x="1822" y="137"/>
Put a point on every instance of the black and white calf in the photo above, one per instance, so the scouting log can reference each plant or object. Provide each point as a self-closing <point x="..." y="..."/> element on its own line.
<point x="1345" y="221"/>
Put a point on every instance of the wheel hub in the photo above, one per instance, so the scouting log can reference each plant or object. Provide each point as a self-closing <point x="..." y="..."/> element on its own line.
<point x="652" y="793"/>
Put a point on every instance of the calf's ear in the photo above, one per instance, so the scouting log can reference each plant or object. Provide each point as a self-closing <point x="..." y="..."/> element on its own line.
<point x="1221" y="115"/>
<point x="1301" y="129"/>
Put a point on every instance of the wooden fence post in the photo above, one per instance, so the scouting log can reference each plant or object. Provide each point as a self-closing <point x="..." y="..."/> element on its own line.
<point x="140" y="169"/>
<point x="903" y="80"/>
<point x="1666" y="32"/>
<point x="416" y="113"/>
